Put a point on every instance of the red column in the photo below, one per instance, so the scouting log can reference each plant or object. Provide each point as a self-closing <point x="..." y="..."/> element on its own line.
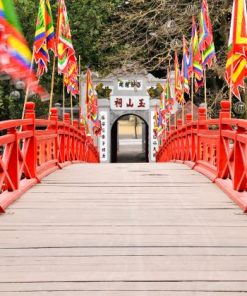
<point x="67" y="136"/>
<point x="31" y="154"/>
<point x="54" y="128"/>
<point x="222" y="154"/>
<point x="190" y="145"/>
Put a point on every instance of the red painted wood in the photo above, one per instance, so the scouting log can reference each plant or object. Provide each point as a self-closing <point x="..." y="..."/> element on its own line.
<point x="216" y="148"/>
<point x="30" y="149"/>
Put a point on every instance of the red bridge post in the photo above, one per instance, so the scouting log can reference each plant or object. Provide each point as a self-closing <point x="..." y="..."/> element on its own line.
<point x="31" y="152"/>
<point x="67" y="139"/>
<point x="222" y="153"/>
<point x="12" y="151"/>
<point x="201" y="148"/>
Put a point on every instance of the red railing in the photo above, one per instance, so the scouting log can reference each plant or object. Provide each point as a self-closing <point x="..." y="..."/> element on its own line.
<point x="216" y="148"/>
<point x="30" y="149"/>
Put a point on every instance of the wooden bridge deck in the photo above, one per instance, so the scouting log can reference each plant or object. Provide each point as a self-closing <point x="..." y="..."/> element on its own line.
<point x="124" y="230"/>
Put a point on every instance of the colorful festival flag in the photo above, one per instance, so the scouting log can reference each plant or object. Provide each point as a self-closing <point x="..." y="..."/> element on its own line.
<point x="185" y="67"/>
<point x="160" y="114"/>
<point x="195" y="60"/>
<point x="206" y="41"/>
<point x="65" y="49"/>
<point x="15" y="56"/>
<point x="92" y="105"/>
<point x="161" y="124"/>
<point x="156" y="123"/>
<point x="84" y="123"/>
<point x="169" y="101"/>
<point x="44" y="37"/>
<point x="178" y="81"/>
<point x="71" y="80"/>
<point x="237" y="48"/>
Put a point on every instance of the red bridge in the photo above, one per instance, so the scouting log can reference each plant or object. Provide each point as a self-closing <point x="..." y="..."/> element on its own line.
<point x="123" y="229"/>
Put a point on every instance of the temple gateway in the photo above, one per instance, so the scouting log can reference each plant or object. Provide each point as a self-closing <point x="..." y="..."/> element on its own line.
<point x="127" y="104"/>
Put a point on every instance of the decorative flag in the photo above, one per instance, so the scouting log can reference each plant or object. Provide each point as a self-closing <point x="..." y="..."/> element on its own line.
<point x="92" y="105"/>
<point x="195" y="61"/>
<point x="237" y="48"/>
<point x="65" y="49"/>
<point x="71" y="80"/>
<point x="160" y="114"/>
<point x="185" y="68"/>
<point x="15" y="56"/>
<point x="178" y="81"/>
<point x="206" y="41"/>
<point x="84" y="123"/>
<point x="169" y="101"/>
<point x="44" y="37"/>
<point x="156" y="115"/>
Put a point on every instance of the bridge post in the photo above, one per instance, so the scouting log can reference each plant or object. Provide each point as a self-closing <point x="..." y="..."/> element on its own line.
<point x="190" y="142"/>
<point x="222" y="153"/>
<point x="180" y="141"/>
<point x="13" y="164"/>
<point x="202" y="115"/>
<point x="75" y="143"/>
<point x="82" y="143"/>
<point x="188" y="118"/>
<point x="66" y="120"/>
<point x="54" y="127"/>
<point x="31" y="152"/>
<point x="179" y="123"/>
<point x="239" y="164"/>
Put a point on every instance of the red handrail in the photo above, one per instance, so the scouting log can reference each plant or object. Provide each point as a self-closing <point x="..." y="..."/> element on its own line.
<point x="216" y="148"/>
<point x="30" y="149"/>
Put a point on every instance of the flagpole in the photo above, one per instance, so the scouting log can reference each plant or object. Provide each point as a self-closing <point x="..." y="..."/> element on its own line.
<point x="27" y="88"/>
<point x="231" y="85"/>
<point x="80" y="97"/>
<point x="192" y="95"/>
<point x="63" y="98"/>
<point x="183" y="112"/>
<point x="205" y="92"/>
<point x="52" y="84"/>
<point x="71" y="107"/>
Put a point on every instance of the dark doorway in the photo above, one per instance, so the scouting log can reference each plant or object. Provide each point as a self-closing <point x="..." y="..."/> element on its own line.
<point x="129" y="140"/>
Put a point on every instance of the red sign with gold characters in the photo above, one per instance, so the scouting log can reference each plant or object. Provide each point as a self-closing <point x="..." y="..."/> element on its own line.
<point x="130" y="103"/>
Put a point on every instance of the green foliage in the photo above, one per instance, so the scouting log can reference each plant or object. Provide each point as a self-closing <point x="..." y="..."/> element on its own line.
<point x="103" y="92"/>
<point x="88" y="19"/>
<point x="155" y="92"/>
<point x="110" y="33"/>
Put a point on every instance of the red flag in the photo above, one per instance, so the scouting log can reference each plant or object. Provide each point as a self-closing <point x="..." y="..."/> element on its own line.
<point x="195" y="64"/>
<point x="44" y="37"/>
<point x="15" y="56"/>
<point x="237" y="48"/>
<point x="185" y="68"/>
<point x="92" y="105"/>
<point x="178" y="81"/>
<point x="65" y="49"/>
<point x="206" y="41"/>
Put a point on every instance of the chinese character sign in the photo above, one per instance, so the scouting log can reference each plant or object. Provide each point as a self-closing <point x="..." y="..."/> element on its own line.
<point x="103" y="140"/>
<point x="130" y="103"/>
<point x="154" y="140"/>
<point x="130" y="85"/>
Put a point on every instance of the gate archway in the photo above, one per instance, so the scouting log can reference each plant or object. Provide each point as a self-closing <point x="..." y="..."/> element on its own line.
<point x="130" y="139"/>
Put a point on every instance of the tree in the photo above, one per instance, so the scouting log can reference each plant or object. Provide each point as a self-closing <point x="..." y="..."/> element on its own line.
<point x="147" y="32"/>
<point x="87" y="19"/>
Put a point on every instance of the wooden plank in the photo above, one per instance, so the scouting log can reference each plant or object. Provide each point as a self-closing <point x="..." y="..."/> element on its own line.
<point x="124" y="230"/>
